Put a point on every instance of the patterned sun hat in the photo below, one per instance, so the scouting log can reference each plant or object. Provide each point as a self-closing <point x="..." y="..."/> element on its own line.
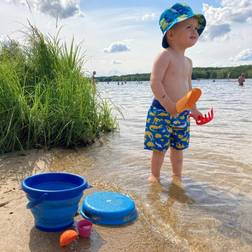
<point x="178" y="13"/>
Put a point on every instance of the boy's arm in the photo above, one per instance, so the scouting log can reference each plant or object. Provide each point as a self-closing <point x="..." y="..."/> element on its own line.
<point x="157" y="75"/>
<point x="190" y="73"/>
<point x="194" y="111"/>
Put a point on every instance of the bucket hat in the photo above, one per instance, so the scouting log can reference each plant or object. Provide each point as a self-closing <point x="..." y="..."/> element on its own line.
<point x="178" y="13"/>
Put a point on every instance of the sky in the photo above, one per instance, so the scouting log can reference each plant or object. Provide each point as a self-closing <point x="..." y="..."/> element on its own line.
<point x="123" y="37"/>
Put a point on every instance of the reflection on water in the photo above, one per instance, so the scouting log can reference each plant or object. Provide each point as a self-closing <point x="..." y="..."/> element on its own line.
<point x="211" y="209"/>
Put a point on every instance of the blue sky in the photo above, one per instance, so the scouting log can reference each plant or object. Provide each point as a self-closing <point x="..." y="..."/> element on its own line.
<point x="152" y="4"/>
<point x="121" y="37"/>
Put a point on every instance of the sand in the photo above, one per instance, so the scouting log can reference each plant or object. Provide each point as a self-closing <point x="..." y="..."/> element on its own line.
<point x="17" y="223"/>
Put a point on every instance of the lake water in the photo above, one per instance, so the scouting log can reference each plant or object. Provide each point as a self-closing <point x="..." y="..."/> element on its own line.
<point x="212" y="209"/>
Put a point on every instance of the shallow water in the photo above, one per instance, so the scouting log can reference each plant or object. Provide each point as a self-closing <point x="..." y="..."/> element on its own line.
<point x="211" y="210"/>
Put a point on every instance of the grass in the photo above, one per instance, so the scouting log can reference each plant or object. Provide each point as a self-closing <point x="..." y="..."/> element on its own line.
<point x="45" y="99"/>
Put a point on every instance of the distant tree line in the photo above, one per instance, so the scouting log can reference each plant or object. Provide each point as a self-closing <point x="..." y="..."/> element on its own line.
<point x="128" y="77"/>
<point x="198" y="73"/>
<point x="222" y="72"/>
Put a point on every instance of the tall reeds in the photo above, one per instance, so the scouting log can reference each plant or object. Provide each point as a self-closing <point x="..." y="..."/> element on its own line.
<point x="45" y="100"/>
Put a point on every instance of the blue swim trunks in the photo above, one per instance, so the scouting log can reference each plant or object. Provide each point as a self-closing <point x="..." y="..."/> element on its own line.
<point x="162" y="130"/>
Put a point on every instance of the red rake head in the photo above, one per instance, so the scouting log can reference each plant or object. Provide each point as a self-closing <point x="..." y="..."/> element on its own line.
<point x="206" y="118"/>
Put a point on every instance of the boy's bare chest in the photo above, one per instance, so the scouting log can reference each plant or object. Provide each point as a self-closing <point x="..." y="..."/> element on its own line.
<point x="179" y="70"/>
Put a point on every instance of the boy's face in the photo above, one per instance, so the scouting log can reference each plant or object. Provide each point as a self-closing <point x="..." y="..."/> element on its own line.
<point x="184" y="33"/>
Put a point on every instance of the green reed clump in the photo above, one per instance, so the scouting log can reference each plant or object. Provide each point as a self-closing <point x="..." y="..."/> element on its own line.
<point x="45" y="100"/>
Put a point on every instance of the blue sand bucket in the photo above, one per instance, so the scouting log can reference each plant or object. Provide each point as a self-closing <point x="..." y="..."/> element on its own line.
<point x="108" y="208"/>
<point x="54" y="198"/>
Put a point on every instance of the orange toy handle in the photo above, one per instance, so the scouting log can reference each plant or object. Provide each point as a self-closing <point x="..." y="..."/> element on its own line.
<point x="189" y="100"/>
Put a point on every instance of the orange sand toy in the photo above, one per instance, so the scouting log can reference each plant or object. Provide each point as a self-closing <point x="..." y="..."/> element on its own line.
<point x="189" y="100"/>
<point x="67" y="237"/>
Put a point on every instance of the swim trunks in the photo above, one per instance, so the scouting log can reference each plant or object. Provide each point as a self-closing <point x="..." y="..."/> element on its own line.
<point x="162" y="130"/>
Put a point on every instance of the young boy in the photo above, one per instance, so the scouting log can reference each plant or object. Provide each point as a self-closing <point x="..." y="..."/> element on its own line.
<point x="170" y="81"/>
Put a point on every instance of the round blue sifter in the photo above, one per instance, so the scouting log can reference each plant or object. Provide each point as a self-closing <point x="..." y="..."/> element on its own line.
<point x="108" y="208"/>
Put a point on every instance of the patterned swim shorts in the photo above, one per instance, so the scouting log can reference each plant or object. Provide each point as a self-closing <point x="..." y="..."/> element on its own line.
<point x="162" y="130"/>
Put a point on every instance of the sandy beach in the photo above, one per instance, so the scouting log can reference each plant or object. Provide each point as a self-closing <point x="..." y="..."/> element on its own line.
<point x="19" y="233"/>
<point x="17" y="223"/>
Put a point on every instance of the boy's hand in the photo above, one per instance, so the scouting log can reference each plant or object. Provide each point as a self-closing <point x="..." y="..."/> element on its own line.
<point x="173" y="111"/>
<point x="195" y="113"/>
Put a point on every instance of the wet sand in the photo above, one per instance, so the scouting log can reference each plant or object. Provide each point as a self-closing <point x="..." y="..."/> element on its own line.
<point x="17" y="223"/>
<point x="162" y="225"/>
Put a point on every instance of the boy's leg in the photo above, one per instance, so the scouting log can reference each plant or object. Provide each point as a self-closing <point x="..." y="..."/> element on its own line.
<point x="176" y="157"/>
<point x="156" y="164"/>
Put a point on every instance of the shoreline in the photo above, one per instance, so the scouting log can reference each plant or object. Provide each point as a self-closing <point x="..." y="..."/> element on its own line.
<point x="18" y="223"/>
<point x="162" y="223"/>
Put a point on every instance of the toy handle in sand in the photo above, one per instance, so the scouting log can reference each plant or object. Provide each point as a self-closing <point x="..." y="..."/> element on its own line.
<point x="189" y="100"/>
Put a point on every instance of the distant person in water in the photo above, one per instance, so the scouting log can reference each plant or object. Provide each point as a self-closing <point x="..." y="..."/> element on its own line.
<point x="171" y="80"/>
<point x="93" y="77"/>
<point x="241" y="79"/>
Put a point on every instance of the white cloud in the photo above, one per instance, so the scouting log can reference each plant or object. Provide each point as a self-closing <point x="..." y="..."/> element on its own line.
<point x="230" y="11"/>
<point x="215" y="31"/>
<point x="116" y="62"/>
<point x="54" y="8"/>
<point x="220" y="20"/>
<point x="149" y="17"/>
<point x="245" y="55"/>
<point x="114" y="72"/>
<point x="239" y="10"/>
<point x="117" y="47"/>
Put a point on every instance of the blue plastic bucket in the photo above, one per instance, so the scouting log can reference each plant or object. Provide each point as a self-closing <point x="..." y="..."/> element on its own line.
<point x="54" y="198"/>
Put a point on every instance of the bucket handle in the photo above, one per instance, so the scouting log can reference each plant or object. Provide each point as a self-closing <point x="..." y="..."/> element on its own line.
<point x="89" y="186"/>
<point x="34" y="203"/>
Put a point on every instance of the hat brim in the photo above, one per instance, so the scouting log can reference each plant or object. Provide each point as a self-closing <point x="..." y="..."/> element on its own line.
<point x="202" y="25"/>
